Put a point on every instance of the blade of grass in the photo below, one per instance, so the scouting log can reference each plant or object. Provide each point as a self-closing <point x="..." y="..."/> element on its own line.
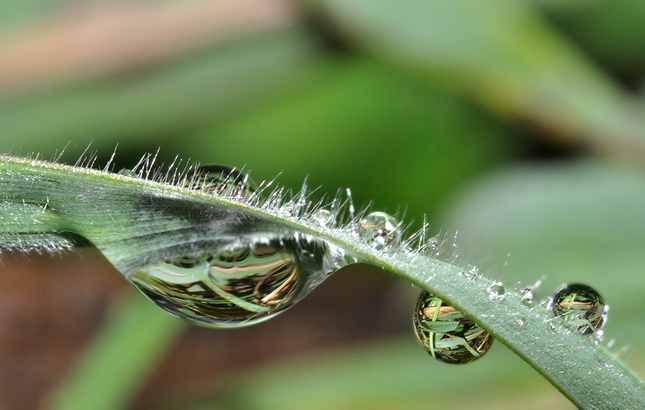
<point x="135" y="222"/>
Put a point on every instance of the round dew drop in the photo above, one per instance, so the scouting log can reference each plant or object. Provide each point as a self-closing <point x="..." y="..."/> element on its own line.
<point x="580" y="306"/>
<point x="447" y="334"/>
<point x="323" y="218"/>
<point x="380" y="231"/>
<point x="237" y="284"/>
<point x="496" y="292"/>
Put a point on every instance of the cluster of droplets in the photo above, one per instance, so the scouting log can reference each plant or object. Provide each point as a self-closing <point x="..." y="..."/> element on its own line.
<point x="245" y="282"/>
<point x="451" y="337"/>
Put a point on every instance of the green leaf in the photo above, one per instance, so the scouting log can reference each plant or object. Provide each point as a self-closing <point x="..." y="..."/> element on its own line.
<point x="501" y="53"/>
<point x="350" y="113"/>
<point x="385" y="374"/>
<point x="135" y="222"/>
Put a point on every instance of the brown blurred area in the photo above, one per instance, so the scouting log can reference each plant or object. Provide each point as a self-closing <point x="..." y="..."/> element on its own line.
<point x="100" y="38"/>
<point x="50" y="307"/>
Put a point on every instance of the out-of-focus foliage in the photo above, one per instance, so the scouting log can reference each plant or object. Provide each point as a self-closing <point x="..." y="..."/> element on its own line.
<point x="418" y="106"/>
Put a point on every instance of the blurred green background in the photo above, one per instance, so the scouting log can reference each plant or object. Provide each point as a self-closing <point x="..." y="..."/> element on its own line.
<point x="521" y="124"/>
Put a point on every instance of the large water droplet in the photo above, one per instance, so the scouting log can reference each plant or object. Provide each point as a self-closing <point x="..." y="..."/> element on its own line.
<point x="580" y="306"/>
<point x="380" y="231"/>
<point x="447" y="334"/>
<point x="221" y="180"/>
<point x="496" y="292"/>
<point x="237" y="284"/>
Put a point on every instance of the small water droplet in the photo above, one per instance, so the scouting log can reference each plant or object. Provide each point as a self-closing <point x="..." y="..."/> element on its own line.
<point x="431" y="245"/>
<point x="527" y="293"/>
<point x="597" y="337"/>
<point x="221" y="180"/>
<point x="380" y="231"/>
<point x="496" y="292"/>
<point x="470" y="272"/>
<point x="128" y="173"/>
<point x="579" y="306"/>
<point x="323" y="218"/>
<point x="447" y="334"/>
<point x="237" y="284"/>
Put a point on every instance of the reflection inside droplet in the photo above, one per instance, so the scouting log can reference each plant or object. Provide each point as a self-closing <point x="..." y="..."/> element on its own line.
<point x="447" y="334"/>
<point x="580" y="306"/>
<point x="238" y="284"/>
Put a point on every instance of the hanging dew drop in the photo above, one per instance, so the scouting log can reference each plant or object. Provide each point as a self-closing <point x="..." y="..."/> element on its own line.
<point x="237" y="284"/>
<point x="221" y="180"/>
<point x="496" y="292"/>
<point x="380" y="231"/>
<point x="580" y="306"/>
<point x="447" y="334"/>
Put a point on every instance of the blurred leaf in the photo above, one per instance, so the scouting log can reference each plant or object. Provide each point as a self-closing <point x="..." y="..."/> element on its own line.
<point x="16" y="12"/>
<point x="101" y="38"/>
<point x="117" y="362"/>
<point x="160" y="103"/>
<point x="580" y="222"/>
<point x="358" y="124"/>
<point x="501" y="53"/>
<point x="612" y="31"/>
<point x="391" y="374"/>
